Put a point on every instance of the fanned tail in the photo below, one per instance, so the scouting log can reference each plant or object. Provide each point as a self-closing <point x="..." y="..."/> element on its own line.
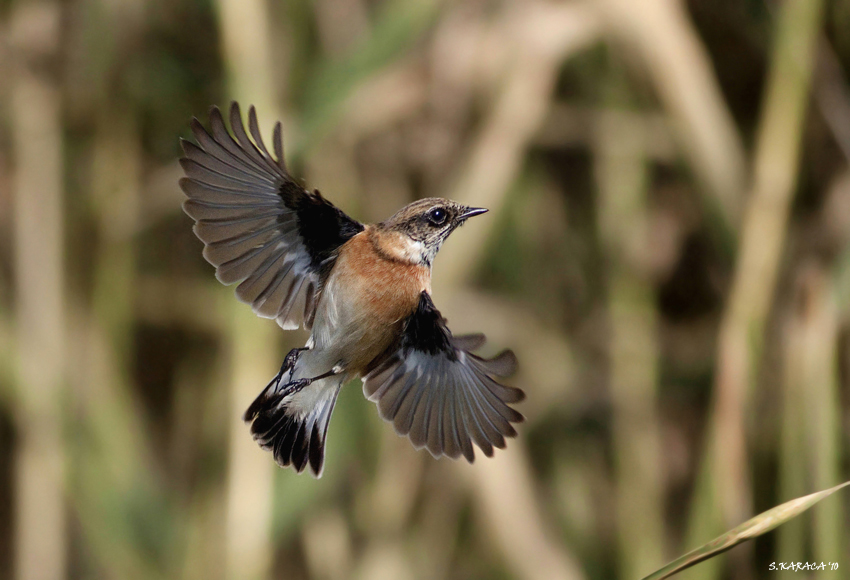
<point x="293" y="426"/>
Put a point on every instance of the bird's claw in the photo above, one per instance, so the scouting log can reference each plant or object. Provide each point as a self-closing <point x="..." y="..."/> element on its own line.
<point x="293" y="387"/>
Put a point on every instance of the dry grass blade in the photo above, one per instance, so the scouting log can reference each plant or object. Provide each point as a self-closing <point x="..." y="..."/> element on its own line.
<point x="623" y="176"/>
<point x="37" y="144"/>
<point x="757" y="526"/>
<point x="248" y="551"/>
<point x="677" y="61"/>
<point x="726" y="496"/>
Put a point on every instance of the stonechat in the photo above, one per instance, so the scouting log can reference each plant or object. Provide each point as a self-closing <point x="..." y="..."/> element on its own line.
<point x="364" y="292"/>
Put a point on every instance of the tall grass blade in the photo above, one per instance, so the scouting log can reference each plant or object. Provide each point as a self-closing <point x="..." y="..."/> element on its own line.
<point x="757" y="526"/>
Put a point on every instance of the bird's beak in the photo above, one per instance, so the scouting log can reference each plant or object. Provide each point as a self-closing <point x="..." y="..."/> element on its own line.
<point x="473" y="211"/>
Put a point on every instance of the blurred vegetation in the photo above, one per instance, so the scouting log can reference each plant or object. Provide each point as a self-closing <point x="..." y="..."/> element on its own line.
<point x="668" y="252"/>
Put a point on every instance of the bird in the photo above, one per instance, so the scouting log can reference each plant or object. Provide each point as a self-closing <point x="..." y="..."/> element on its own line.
<point x="362" y="290"/>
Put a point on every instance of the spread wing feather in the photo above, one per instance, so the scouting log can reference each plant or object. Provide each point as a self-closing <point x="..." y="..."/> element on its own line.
<point x="439" y="394"/>
<point x="259" y="227"/>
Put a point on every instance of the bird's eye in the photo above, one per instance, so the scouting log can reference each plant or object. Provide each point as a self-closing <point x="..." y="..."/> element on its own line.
<point x="437" y="216"/>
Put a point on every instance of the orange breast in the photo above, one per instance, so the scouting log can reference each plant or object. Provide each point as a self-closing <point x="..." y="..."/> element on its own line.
<point x="384" y="292"/>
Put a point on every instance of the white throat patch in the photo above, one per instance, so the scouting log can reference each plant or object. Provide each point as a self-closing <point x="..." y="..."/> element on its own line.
<point x="404" y="248"/>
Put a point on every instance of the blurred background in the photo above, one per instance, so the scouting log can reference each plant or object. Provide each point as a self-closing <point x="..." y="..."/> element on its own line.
<point x="668" y="253"/>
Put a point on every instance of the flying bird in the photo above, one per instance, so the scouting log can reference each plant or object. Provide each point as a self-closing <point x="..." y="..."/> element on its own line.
<point x="364" y="292"/>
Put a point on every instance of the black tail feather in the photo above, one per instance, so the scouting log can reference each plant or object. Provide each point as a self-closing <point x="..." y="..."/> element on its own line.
<point x="264" y="400"/>
<point x="295" y="438"/>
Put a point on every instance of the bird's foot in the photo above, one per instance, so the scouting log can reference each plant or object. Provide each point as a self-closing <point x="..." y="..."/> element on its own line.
<point x="288" y="365"/>
<point x="293" y="387"/>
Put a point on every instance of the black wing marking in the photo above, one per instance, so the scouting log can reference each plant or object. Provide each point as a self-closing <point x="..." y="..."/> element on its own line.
<point x="438" y="393"/>
<point x="260" y="227"/>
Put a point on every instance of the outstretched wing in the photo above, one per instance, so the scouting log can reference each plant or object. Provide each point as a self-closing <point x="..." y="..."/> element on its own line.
<point x="260" y="227"/>
<point x="439" y="394"/>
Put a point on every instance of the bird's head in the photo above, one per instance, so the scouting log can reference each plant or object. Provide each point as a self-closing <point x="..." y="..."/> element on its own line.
<point x="417" y="230"/>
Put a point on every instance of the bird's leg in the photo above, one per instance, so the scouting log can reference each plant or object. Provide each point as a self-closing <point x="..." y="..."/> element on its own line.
<point x="294" y="386"/>
<point x="289" y="364"/>
<point x="274" y="385"/>
<point x="291" y="358"/>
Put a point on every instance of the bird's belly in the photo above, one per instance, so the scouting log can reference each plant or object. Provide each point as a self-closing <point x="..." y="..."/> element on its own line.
<point x="355" y="328"/>
<point x="364" y="305"/>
